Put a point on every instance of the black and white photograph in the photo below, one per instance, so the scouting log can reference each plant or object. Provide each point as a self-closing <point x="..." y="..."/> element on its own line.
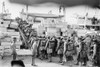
<point x="49" y="33"/>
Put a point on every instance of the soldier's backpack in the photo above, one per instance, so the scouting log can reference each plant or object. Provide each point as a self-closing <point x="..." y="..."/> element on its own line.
<point x="51" y="44"/>
<point x="42" y="44"/>
<point x="70" y="46"/>
<point x="61" y="48"/>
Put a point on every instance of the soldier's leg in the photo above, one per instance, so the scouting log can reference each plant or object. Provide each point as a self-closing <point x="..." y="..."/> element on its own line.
<point x="61" y="58"/>
<point x="38" y="54"/>
<point x="46" y="55"/>
<point x="64" y="59"/>
<point x="42" y="55"/>
<point x="14" y="56"/>
<point x="50" y="57"/>
<point x="86" y="59"/>
<point x="33" y="60"/>
<point x="98" y="61"/>
<point x="78" y="58"/>
<point x="84" y="62"/>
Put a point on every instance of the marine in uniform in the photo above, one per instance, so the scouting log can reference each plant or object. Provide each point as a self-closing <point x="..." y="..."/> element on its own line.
<point x="60" y="49"/>
<point x="83" y="57"/>
<point x="50" y="46"/>
<point x="69" y="50"/>
<point x="92" y="52"/>
<point x="42" y="50"/>
<point x="78" y="48"/>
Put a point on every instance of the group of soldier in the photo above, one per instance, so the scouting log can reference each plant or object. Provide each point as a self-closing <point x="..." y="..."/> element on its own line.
<point x="84" y="48"/>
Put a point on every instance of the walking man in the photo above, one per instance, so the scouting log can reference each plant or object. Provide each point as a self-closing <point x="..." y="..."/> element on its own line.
<point x="13" y="48"/>
<point x="60" y="49"/>
<point x="50" y="46"/>
<point x="34" y="51"/>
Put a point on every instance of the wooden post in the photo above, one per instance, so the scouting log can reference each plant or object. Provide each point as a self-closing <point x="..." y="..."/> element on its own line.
<point x="27" y="13"/>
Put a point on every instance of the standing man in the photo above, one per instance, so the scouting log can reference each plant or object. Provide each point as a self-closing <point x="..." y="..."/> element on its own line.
<point x="13" y="48"/>
<point x="83" y="57"/>
<point x="34" y="51"/>
<point x="64" y="50"/>
<point x="78" y="48"/>
<point x="93" y="50"/>
<point x="50" y="46"/>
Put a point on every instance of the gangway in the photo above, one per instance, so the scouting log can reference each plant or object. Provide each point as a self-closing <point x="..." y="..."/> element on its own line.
<point x="23" y="36"/>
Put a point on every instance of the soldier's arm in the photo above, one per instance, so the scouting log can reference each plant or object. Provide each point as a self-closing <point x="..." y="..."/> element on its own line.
<point x="32" y="45"/>
<point x="11" y="45"/>
<point x="65" y="47"/>
<point x="94" y="51"/>
<point x="38" y="43"/>
<point x="31" y="42"/>
<point x="46" y="44"/>
<point x="58" y="44"/>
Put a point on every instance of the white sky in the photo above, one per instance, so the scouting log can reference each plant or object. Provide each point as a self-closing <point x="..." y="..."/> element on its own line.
<point x="14" y="9"/>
